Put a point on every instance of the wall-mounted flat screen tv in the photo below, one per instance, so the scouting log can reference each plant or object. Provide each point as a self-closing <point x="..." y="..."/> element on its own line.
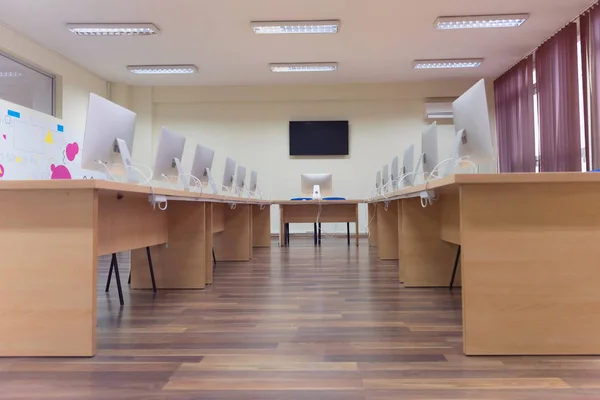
<point x="319" y="138"/>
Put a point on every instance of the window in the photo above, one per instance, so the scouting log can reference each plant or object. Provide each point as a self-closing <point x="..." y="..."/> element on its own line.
<point x="26" y="86"/>
<point x="581" y="115"/>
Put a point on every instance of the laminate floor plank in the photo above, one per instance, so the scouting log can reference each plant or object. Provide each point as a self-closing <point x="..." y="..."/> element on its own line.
<point x="296" y="323"/>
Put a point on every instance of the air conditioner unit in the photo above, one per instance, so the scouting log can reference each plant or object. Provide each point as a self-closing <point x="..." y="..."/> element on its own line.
<point x="438" y="109"/>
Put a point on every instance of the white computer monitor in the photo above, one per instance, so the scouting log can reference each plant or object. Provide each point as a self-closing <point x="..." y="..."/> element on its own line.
<point x="229" y="174"/>
<point x="168" y="157"/>
<point x="429" y="149"/>
<point x="253" y="186"/>
<point x="316" y="185"/>
<point x="394" y="172"/>
<point x="108" y="138"/>
<point x="409" y="166"/>
<point x="472" y="124"/>
<point x="385" y="177"/>
<point x="202" y="166"/>
<point x="240" y="180"/>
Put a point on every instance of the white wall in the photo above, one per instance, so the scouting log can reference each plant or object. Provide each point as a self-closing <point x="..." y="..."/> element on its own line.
<point x="73" y="84"/>
<point x="250" y="124"/>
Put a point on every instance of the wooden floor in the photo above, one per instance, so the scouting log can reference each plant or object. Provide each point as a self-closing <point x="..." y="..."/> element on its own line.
<point x="295" y="323"/>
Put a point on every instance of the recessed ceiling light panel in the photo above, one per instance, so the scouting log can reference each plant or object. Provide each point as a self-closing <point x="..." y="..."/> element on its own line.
<point x="447" y="64"/>
<point x="162" y="69"/>
<point x="133" y="29"/>
<point x="304" y="67"/>
<point x="283" y="27"/>
<point x="10" y="74"/>
<point x="481" y="21"/>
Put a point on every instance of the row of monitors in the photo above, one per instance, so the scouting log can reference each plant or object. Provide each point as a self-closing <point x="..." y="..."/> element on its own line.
<point x="168" y="161"/>
<point x="108" y="141"/>
<point x="472" y="143"/>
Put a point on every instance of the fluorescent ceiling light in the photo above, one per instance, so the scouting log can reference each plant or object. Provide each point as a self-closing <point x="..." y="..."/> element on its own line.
<point x="304" y="67"/>
<point x="162" y="69"/>
<point x="481" y="21"/>
<point x="447" y="64"/>
<point x="274" y="27"/>
<point x="113" y="29"/>
<point x="10" y="74"/>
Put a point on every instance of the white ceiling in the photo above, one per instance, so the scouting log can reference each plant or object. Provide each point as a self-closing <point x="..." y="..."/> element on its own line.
<point x="378" y="39"/>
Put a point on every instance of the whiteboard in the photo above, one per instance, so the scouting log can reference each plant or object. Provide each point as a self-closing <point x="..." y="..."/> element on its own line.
<point x="34" y="145"/>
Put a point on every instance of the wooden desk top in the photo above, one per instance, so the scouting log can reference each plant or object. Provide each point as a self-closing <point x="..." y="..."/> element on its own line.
<point x="323" y="202"/>
<point x="111" y="186"/>
<point x="453" y="182"/>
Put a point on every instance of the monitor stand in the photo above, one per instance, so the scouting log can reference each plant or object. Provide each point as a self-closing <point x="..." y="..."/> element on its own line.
<point x="417" y="168"/>
<point x="123" y="150"/>
<point x="211" y="182"/>
<point x="316" y="192"/>
<point x="181" y="174"/>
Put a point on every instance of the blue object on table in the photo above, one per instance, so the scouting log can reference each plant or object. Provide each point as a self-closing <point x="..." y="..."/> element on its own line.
<point x="334" y="198"/>
<point x="300" y="198"/>
<point x="595" y="170"/>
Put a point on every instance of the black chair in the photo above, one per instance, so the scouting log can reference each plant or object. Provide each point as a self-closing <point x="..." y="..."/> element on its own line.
<point x="114" y="265"/>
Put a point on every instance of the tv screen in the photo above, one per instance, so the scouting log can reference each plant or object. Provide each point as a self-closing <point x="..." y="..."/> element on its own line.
<point x="319" y="138"/>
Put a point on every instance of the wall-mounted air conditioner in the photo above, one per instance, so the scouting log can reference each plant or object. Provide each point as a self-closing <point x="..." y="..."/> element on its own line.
<point x="438" y="109"/>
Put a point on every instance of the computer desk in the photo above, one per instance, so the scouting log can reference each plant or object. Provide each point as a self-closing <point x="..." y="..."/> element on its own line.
<point x="316" y="211"/>
<point x="528" y="261"/>
<point x="52" y="232"/>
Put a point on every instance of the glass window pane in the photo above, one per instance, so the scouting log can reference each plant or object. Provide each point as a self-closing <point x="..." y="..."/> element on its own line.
<point x="25" y="86"/>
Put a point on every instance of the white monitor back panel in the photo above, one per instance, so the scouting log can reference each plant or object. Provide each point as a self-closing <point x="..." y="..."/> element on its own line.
<point x="37" y="146"/>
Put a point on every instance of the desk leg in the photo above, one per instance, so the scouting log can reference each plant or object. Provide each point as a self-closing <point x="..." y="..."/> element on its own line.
<point x="530" y="269"/>
<point x="387" y="227"/>
<point x="233" y="244"/>
<point x="348" y="233"/>
<point x="357" y="233"/>
<point x="48" y="241"/>
<point x="426" y="260"/>
<point x="181" y="264"/>
<point x="372" y="224"/>
<point x="261" y="226"/>
<point x="282" y="236"/>
<point x="319" y="232"/>
<point x="209" y="255"/>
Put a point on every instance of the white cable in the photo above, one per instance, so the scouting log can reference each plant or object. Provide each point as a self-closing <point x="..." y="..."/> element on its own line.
<point x="166" y="178"/>
<point x="148" y="182"/>
<point x="110" y="174"/>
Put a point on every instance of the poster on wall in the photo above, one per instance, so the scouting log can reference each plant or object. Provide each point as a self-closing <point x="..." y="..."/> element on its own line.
<point x="37" y="146"/>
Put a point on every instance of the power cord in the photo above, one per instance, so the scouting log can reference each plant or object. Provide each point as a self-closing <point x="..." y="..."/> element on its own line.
<point x="148" y="182"/>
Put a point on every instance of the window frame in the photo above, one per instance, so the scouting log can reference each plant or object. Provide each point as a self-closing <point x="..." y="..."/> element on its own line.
<point x="38" y="70"/>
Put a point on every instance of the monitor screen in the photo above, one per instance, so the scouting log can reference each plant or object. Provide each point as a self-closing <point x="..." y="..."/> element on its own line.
<point x="319" y="138"/>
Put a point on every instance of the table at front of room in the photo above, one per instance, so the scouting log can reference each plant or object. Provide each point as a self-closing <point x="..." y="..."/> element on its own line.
<point x="52" y="232"/>
<point x="316" y="212"/>
<point x="528" y="256"/>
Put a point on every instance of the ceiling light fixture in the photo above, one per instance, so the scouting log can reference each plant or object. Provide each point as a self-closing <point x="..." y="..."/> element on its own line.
<point x="481" y="21"/>
<point x="162" y="69"/>
<point x="304" y="67"/>
<point x="133" y="29"/>
<point x="10" y="74"/>
<point x="447" y="64"/>
<point x="283" y="27"/>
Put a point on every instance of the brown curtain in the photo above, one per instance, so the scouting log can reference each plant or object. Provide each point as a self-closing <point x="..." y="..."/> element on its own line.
<point x="584" y="34"/>
<point x="590" y="42"/>
<point x="515" y="123"/>
<point x="558" y="97"/>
